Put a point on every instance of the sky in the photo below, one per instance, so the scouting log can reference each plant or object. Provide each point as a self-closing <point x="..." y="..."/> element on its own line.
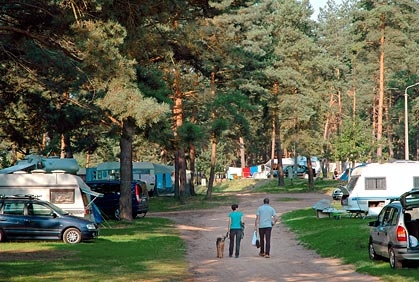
<point x="319" y="4"/>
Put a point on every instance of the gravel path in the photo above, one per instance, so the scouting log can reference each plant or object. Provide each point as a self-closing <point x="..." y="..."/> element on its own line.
<point x="288" y="262"/>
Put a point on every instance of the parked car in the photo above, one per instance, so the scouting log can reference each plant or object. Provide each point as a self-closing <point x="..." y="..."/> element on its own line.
<point x="27" y="217"/>
<point x="111" y="190"/>
<point x="394" y="234"/>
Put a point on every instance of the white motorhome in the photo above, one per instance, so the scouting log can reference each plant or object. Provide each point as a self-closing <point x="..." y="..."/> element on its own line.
<point x="67" y="191"/>
<point x="372" y="186"/>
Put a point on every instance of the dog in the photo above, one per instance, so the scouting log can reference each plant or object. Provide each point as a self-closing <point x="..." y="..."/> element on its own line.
<point x="219" y="243"/>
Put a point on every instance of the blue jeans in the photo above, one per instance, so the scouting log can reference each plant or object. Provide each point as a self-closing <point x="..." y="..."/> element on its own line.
<point x="265" y="240"/>
<point x="235" y="234"/>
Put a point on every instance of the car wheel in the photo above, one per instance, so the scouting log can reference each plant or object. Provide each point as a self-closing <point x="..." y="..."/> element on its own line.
<point x="372" y="254"/>
<point x="72" y="236"/>
<point x="395" y="263"/>
<point x="2" y="236"/>
<point x="117" y="214"/>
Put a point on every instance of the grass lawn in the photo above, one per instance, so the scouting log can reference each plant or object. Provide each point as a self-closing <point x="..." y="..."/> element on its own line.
<point x="148" y="249"/>
<point x="346" y="239"/>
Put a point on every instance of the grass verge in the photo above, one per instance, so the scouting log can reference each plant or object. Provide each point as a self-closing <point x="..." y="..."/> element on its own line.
<point x="148" y="249"/>
<point x="346" y="239"/>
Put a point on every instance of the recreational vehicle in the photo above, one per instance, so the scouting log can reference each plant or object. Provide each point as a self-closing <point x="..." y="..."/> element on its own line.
<point x="34" y="162"/>
<point x="66" y="191"/>
<point x="156" y="176"/>
<point x="372" y="186"/>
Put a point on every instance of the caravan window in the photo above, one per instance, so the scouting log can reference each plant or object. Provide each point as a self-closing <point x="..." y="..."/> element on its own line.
<point x="62" y="196"/>
<point x="375" y="183"/>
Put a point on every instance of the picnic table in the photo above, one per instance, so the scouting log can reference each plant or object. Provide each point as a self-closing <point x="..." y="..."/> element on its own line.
<point x="331" y="213"/>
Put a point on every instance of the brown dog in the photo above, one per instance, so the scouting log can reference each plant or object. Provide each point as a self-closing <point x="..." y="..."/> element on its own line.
<point x="219" y="243"/>
<point x="220" y="247"/>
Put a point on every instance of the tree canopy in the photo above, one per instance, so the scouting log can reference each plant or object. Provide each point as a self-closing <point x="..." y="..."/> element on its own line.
<point x="118" y="80"/>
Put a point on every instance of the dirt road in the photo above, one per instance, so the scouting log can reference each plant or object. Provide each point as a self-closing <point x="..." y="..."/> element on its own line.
<point x="288" y="262"/>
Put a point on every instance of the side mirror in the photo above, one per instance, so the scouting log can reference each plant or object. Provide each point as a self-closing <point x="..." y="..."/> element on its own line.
<point x="53" y="215"/>
<point x="373" y="223"/>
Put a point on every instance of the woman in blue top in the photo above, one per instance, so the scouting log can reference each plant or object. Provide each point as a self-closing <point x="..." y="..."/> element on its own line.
<point x="235" y="229"/>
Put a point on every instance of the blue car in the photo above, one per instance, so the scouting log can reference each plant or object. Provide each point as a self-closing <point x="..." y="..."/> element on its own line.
<point x="111" y="190"/>
<point x="28" y="218"/>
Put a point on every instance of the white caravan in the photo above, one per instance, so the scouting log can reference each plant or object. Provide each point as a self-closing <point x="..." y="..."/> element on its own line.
<point x="66" y="191"/>
<point x="372" y="186"/>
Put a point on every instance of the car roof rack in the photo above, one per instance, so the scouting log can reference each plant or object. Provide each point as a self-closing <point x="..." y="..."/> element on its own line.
<point x="20" y="196"/>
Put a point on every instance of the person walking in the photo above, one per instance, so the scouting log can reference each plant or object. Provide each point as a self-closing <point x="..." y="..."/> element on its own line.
<point x="235" y="230"/>
<point x="265" y="218"/>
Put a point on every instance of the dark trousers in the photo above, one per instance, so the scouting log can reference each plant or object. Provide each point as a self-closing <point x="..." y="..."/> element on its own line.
<point x="265" y="239"/>
<point x="235" y="234"/>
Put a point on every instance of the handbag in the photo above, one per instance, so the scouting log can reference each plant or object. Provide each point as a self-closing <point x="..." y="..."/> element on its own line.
<point x="255" y="239"/>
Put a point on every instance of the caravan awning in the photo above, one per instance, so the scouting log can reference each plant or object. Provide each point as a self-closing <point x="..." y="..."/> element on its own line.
<point x="90" y="192"/>
<point x="16" y="168"/>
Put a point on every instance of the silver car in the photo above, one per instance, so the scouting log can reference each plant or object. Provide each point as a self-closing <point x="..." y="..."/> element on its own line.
<point x="395" y="233"/>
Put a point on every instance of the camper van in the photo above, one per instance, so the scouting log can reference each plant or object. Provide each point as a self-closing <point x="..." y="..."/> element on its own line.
<point x="66" y="191"/>
<point x="372" y="186"/>
<point x="156" y="176"/>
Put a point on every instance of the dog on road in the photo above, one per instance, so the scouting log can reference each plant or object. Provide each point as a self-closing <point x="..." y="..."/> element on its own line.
<point x="219" y="243"/>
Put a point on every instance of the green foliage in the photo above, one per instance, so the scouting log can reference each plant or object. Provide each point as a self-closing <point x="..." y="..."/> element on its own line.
<point x="354" y="143"/>
<point x="219" y="126"/>
<point x="191" y="133"/>
<point x="151" y="83"/>
<point x="4" y="160"/>
<point x="79" y="70"/>
<point x="224" y="157"/>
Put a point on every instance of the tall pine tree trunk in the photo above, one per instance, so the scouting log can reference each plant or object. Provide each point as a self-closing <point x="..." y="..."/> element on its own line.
<point x="182" y="175"/>
<point x="381" y="93"/>
<point x="281" y="181"/>
<point x="192" y="168"/>
<point x="180" y="166"/>
<point x="125" y="201"/>
<point x="310" y="174"/>
<point x="242" y="156"/>
<point x="271" y="175"/>
<point x="65" y="147"/>
<point x="275" y="91"/>
<point x="212" y="165"/>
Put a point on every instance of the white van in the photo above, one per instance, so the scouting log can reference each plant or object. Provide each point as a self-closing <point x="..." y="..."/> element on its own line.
<point x="372" y="186"/>
<point x="67" y="191"/>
